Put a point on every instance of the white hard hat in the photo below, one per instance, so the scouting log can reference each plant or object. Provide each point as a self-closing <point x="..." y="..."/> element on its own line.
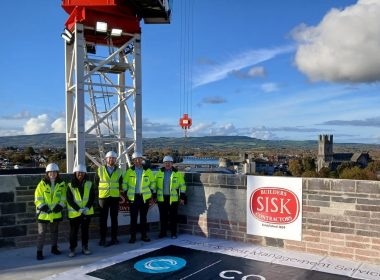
<point x="136" y="155"/>
<point x="52" y="167"/>
<point x="80" y="168"/>
<point x="111" y="154"/>
<point x="167" y="158"/>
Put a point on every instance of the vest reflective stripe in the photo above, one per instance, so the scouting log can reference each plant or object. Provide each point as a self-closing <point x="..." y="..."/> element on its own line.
<point x="81" y="202"/>
<point x="177" y="184"/>
<point x="109" y="186"/>
<point x="147" y="182"/>
<point x="43" y="196"/>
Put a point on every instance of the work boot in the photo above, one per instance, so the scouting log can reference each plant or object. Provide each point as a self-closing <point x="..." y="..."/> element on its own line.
<point x="112" y="242"/>
<point x="145" y="238"/>
<point x="132" y="239"/>
<point x="72" y="253"/>
<point x="86" y="251"/>
<point x="39" y="255"/>
<point x="54" y="250"/>
<point x="162" y="235"/>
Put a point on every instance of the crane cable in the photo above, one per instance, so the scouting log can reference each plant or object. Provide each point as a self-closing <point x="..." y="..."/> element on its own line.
<point x="186" y="57"/>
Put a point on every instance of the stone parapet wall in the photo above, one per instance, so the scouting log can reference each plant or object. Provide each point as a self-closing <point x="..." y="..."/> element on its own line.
<point x="340" y="217"/>
<point x="18" y="224"/>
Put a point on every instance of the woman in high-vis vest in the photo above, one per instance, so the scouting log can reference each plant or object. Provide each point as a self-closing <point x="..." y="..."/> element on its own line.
<point x="109" y="181"/>
<point x="49" y="199"/>
<point x="138" y="188"/>
<point x="80" y="200"/>
<point x="171" y="190"/>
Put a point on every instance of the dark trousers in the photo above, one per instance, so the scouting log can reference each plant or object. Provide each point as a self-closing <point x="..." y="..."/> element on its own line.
<point x="111" y="205"/>
<point x="42" y="231"/>
<point x="83" y="222"/>
<point x="136" y="207"/>
<point x="168" y="213"/>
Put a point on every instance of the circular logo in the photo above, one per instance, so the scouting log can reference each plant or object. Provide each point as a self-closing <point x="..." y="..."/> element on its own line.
<point x="275" y="205"/>
<point x="160" y="264"/>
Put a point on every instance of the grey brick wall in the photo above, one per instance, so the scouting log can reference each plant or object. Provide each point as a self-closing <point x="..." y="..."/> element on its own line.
<point x="340" y="217"/>
<point x="18" y="225"/>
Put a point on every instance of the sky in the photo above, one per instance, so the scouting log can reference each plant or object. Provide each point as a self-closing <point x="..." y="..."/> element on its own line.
<point x="273" y="69"/>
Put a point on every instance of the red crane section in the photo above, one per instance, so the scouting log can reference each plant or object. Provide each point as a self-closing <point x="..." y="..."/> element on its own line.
<point x="123" y="15"/>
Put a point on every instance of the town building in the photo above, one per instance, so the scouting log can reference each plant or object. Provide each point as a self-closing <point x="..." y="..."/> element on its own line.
<point x="327" y="158"/>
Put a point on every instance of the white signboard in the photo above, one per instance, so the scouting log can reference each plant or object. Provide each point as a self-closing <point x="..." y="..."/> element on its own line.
<point x="124" y="217"/>
<point x="274" y="207"/>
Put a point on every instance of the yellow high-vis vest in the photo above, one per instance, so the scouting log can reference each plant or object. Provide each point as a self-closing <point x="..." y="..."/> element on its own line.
<point x="177" y="185"/>
<point x="147" y="183"/>
<point x="80" y="201"/>
<point x="109" y="186"/>
<point x="43" y="196"/>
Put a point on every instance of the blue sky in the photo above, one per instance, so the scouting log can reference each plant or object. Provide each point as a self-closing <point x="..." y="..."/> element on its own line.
<point x="267" y="69"/>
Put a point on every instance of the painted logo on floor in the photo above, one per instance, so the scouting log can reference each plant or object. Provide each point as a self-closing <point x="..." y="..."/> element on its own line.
<point x="175" y="262"/>
<point x="160" y="264"/>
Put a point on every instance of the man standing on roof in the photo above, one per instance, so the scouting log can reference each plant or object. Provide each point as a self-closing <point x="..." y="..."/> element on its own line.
<point x="138" y="189"/>
<point x="109" y="180"/>
<point x="171" y="190"/>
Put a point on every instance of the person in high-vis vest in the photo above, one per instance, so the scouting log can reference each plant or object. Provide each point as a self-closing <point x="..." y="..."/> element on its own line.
<point x="138" y="188"/>
<point x="171" y="191"/>
<point x="49" y="199"/>
<point x="109" y="181"/>
<point x="80" y="207"/>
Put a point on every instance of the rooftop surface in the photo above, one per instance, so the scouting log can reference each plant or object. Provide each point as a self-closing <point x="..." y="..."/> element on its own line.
<point x="243" y="259"/>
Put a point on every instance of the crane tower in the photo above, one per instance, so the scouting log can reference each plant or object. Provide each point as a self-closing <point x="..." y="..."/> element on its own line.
<point x="103" y="83"/>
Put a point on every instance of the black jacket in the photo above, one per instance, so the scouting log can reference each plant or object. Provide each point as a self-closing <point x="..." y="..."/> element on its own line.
<point x="80" y="186"/>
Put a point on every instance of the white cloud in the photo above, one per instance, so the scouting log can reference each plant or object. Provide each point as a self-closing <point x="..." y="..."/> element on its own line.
<point x="213" y="73"/>
<point x="251" y="73"/>
<point x="10" y="132"/>
<point x="262" y="134"/>
<point x="212" y="100"/>
<point x="39" y="124"/>
<point x="11" y="126"/>
<point x="226" y="129"/>
<point x="257" y="72"/>
<point x="23" y="123"/>
<point x="18" y="116"/>
<point x="344" y="47"/>
<point x="269" y="87"/>
<point x="229" y="129"/>
<point x="201" y="129"/>
<point x="59" y="125"/>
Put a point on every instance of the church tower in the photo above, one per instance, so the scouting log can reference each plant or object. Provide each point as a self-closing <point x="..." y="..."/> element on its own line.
<point x="325" y="151"/>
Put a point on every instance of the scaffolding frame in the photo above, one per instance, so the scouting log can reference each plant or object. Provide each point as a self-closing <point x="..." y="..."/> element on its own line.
<point x="103" y="112"/>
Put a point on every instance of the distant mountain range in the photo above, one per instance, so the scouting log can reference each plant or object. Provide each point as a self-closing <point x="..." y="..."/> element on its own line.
<point x="57" y="140"/>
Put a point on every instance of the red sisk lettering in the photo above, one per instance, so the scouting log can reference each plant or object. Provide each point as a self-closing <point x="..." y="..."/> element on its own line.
<point x="261" y="206"/>
<point x="283" y="206"/>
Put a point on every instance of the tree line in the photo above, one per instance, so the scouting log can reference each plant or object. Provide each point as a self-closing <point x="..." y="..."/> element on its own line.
<point x="306" y="167"/>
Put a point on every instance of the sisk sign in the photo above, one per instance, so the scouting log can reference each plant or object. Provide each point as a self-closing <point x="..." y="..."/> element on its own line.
<point x="274" y="207"/>
<point x="124" y="213"/>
